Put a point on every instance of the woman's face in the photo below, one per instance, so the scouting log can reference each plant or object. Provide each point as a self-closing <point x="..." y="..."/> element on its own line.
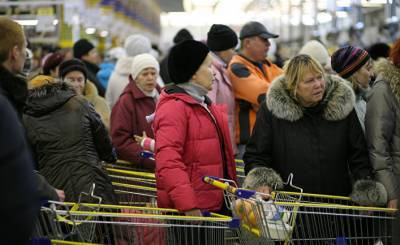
<point x="311" y="89"/>
<point x="147" y="79"/>
<point x="364" y="75"/>
<point x="77" y="80"/>
<point x="204" y="75"/>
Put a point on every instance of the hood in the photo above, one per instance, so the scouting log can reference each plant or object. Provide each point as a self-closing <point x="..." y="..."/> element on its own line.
<point x="390" y="73"/>
<point x="91" y="91"/>
<point x="15" y="88"/>
<point x="124" y="66"/>
<point x="47" y="98"/>
<point x="338" y="101"/>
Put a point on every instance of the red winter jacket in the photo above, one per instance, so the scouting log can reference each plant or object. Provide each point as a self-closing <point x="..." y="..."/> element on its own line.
<point x="128" y="118"/>
<point x="190" y="145"/>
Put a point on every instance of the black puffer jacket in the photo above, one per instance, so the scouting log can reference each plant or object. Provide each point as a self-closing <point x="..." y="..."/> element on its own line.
<point x="318" y="145"/>
<point x="69" y="141"/>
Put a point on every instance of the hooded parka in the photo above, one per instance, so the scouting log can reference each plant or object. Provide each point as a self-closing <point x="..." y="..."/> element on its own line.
<point x="69" y="141"/>
<point x="382" y="122"/>
<point x="318" y="145"/>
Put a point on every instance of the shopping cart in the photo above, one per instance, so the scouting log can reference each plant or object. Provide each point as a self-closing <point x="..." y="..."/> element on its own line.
<point x="302" y="218"/>
<point x="132" y="187"/>
<point x="120" y="225"/>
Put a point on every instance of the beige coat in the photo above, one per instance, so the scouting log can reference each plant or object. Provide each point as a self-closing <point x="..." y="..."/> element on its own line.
<point x="99" y="103"/>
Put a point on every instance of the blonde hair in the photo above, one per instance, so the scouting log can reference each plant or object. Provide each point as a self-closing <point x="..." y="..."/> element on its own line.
<point x="354" y="83"/>
<point x="297" y="67"/>
<point x="11" y="34"/>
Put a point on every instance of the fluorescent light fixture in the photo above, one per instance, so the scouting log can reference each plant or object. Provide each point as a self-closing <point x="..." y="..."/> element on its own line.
<point x="27" y="22"/>
<point x="90" y="30"/>
<point x="103" y="33"/>
<point x="342" y="14"/>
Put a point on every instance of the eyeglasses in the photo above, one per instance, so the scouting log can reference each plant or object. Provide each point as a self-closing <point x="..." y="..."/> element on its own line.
<point x="72" y="79"/>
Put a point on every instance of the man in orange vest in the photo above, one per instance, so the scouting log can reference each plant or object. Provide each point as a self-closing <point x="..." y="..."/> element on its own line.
<point x="251" y="74"/>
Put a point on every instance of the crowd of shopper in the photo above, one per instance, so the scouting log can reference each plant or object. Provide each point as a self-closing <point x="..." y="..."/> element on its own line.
<point x="331" y="120"/>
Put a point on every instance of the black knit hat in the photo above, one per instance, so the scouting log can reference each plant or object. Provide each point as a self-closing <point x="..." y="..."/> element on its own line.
<point x="82" y="47"/>
<point x="347" y="60"/>
<point x="221" y="37"/>
<point x="72" y="65"/>
<point x="379" y="50"/>
<point x="185" y="59"/>
<point x="182" y="35"/>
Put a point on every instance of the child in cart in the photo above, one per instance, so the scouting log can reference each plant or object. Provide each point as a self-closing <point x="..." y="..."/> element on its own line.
<point x="273" y="218"/>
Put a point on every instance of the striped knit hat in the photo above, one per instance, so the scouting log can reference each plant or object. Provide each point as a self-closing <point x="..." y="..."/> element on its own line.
<point x="347" y="60"/>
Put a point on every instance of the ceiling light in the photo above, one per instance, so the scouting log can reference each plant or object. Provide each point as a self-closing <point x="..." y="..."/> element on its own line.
<point x="90" y="30"/>
<point x="27" y="22"/>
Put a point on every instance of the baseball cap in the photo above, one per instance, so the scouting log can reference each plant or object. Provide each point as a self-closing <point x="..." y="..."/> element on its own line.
<point x="254" y="28"/>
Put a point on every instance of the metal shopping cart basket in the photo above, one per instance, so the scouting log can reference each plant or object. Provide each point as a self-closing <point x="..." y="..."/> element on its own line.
<point x="132" y="187"/>
<point x="302" y="218"/>
<point x="122" y="225"/>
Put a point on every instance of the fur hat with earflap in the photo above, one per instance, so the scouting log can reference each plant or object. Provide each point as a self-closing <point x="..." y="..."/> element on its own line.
<point x="260" y="176"/>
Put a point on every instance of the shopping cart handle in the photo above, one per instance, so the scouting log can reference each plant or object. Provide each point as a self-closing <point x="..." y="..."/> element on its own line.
<point x="243" y="193"/>
<point x="215" y="181"/>
<point x="146" y="154"/>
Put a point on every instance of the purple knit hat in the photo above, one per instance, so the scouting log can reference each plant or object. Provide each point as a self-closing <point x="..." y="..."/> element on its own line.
<point x="347" y="60"/>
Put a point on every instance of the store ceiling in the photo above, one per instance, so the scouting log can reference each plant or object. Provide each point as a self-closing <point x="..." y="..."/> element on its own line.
<point x="171" y="5"/>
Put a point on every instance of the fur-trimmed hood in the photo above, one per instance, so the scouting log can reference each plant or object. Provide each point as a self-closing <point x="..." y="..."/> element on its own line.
<point x="47" y="98"/>
<point x="386" y="71"/>
<point x="338" y="101"/>
<point x="91" y="92"/>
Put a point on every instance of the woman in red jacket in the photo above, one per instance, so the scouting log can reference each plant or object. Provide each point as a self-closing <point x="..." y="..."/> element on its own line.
<point x="191" y="134"/>
<point x="128" y="117"/>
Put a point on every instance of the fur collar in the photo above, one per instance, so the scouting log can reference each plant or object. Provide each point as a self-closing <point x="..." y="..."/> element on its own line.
<point x="47" y="98"/>
<point x="91" y="92"/>
<point x="388" y="72"/>
<point x="338" y="101"/>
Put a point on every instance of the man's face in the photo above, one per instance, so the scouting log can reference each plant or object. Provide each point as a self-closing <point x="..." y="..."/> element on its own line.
<point x="19" y="56"/>
<point x="258" y="48"/>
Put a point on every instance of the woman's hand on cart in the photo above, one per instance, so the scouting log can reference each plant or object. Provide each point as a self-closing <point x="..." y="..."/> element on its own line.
<point x="60" y="194"/>
<point x="194" y="212"/>
<point x="392" y="203"/>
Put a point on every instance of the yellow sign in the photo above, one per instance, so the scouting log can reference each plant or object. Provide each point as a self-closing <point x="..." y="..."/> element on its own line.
<point x="45" y="11"/>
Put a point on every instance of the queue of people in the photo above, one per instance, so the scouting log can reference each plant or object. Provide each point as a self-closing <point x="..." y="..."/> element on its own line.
<point x="320" y="118"/>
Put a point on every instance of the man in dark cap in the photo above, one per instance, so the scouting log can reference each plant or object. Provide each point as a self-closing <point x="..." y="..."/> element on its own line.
<point x="251" y="73"/>
<point x="85" y="51"/>
<point x="222" y="41"/>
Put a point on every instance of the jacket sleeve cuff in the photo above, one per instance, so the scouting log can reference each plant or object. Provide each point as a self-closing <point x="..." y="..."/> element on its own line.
<point x="369" y="193"/>
<point x="261" y="176"/>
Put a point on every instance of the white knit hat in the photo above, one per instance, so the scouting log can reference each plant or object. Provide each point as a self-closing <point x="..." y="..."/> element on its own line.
<point x="317" y="51"/>
<point x="141" y="62"/>
<point x="137" y="44"/>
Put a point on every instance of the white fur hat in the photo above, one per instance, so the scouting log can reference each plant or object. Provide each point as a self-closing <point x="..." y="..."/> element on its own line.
<point x="317" y="51"/>
<point x="143" y="61"/>
<point x="137" y="44"/>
